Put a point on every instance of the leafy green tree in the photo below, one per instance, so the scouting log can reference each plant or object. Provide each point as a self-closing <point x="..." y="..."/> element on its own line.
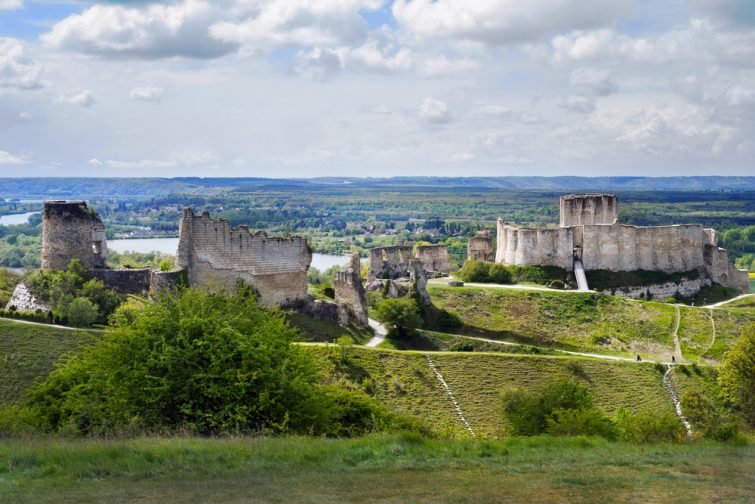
<point x="81" y="312"/>
<point x="400" y="315"/>
<point x="475" y="271"/>
<point x="737" y="374"/>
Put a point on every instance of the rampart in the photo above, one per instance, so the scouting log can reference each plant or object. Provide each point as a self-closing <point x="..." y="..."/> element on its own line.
<point x="70" y="230"/>
<point x="534" y="246"/>
<point x="434" y="259"/>
<point x="480" y="248"/>
<point x="588" y="209"/>
<point x="216" y="255"/>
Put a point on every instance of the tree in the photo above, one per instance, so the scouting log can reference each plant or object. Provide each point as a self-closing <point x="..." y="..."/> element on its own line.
<point x="401" y="315"/>
<point x="81" y="312"/>
<point x="737" y="374"/>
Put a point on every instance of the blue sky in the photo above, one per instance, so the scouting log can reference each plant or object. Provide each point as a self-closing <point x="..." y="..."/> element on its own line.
<point x="364" y="87"/>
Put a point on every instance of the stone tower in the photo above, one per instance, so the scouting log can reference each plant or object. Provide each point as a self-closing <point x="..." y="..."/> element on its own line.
<point x="70" y="230"/>
<point x="588" y="209"/>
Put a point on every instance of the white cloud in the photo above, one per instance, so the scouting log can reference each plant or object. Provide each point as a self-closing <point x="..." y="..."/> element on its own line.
<point x="6" y="158"/>
<point x="441" y="65"/>
<point x="142" y="31"/>
<point x="180" y="159"/>
<point x="94" y="162"/>
<point x="504" y="21"/>
<point x="83" y="98"/>
<point x="300" y="22"/>
<point x="434" y="111"/>
<point x="10" y="4"/>
<point x="381" y="109"/>
<point x="592" y="81"/>
<point x="370" y="57"/>
<point x="25" y="116"/>
<point x="578" y="104"/>
<point x="148" y="94"/>
<point x="496" y="110"/>
<point x="17" y="69"/>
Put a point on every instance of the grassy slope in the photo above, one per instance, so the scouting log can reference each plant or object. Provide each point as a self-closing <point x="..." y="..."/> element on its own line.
<point x="588" y="322"/>
<point x="404" y="381"/>
<point x="318" y="330"/>
<point x="28" y="351"/>
<point x="371" y="469"/>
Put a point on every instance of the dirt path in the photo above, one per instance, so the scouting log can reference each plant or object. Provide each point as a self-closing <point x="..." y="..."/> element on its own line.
<point x="450" y="395"/>
<point x="380" y="333"/>
<point x="65" y="328"/>
<point x="675" y="334"/>
<point x="722" y="303"/>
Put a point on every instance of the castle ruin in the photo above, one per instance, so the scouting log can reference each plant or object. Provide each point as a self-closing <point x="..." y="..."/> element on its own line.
<point x="216" y="255"/>
<point x="480" y="247"/>
<point x="71" y="230"/>
<point x="350" y="295"/>
<point x="589" y="235"/>
<point x="391" y="263"/>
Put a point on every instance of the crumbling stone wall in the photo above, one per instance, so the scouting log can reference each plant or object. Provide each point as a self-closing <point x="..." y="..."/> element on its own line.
<point x="71" y="231"/>
<point x="389" y="263"/>
<point x="434" y="259"/>
<point x="216" y="255"/>
<point x="480" y="248"/>
<point x="588" y="209"/>
<point x="722" y="271"/>
<point x="130" y="281"/>
<point x="350" y="294"/>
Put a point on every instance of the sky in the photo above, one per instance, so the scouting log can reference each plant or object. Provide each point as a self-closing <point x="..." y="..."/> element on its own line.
<point x="305" y="88"/>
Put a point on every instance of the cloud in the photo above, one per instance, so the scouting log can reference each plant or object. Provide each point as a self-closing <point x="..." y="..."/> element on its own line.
<point x="433" y="111"/>
<point x="6" y="158"/>
<point x="504" y="21"/>
<point x="578" y="104"/>
<point x="441" y="65"/>
<point x="10" y="4"/>
<point x="370" y="57"/>
<point x="299" y="22"/>
<point x="147" y="94"/>
<point x="381" y="109"/>
<point x="496" y="110"/>
<point x="84" y="99"/>
<point x="592" y="81"/>
<point x="148" y="31"/>
<point x="17" y="69"/>
<point x="181" y="159"/>
<point x="94" y="162"/>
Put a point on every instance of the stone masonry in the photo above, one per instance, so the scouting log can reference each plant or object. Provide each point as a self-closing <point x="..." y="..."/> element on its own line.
<point x="217" y="256"/>
<point x="434" y="259"/>
<point x="480" y="248"/>
<point x="70" y="230"/>
<point x="350" y="294"/>
<point x="392" y="263"/>
<point x="589" y="233"/>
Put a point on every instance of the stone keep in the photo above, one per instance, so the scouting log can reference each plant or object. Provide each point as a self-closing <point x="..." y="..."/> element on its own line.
<point x="579" y="210"/>
<point x="71" y="231"/>
<point x="217" y="256"/>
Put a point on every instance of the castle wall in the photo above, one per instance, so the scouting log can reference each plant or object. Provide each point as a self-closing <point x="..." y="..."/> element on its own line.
<point x="434" y="258"/>
<point x="627" y="248"/>
<point x="389" y="263"/>
<point x="480" y="248"/>
<point x="722" y="271"/>
<point x="130" y="281"/>
<point x="350" y="294"/>
<point x="71" y="231"/>
<point x="588" y="209"/>
<point x="535" y="247"/>
<point x="216" y="255"/>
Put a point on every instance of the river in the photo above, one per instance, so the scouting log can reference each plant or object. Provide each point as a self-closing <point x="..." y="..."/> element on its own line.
<point x="169" y="246"/>
<point x="15" y="219"/>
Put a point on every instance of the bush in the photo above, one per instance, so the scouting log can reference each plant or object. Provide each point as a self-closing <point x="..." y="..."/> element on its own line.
<point x="81" y="312"/>
<point x="400" y="315"/>
<point x="581" y="422"/>
<point x="475" y="271"/>
<point x="528" y="413"/>
<point x="484" y="272"/>
<point x="648" y="427"/>
<point x="202" y="363"/>
<point x="461" y="346"/>
<point x="737" y="374"/>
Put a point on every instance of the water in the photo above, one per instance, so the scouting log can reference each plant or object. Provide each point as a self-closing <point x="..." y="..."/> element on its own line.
<point x="169" y="246"/>
<point x="15" y="219"/>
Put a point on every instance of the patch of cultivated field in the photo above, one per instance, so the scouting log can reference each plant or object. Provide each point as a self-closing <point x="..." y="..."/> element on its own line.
<point x="28" y="351"/>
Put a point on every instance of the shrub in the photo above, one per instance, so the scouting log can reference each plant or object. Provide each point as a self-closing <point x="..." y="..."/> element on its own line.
<point x="497" y="273"/>
<point x="461" y="346"/>
<point x="474" y="271"/>
<point x="81" y="312"/>
<point x="400" y="315"/>
<point x="581" y="422"/>
<point x="649" y="427"/>
<point x="202" y="363"/>
<point x="737" y="374"/>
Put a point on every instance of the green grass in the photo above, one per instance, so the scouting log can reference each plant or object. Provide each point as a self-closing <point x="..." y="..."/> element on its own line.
<point x="397" y="468"/>
<point x="28" y="351"/>
<point x="404" y="381"/>
<point x="587" y="322"/>
<point x="318" y="330"/>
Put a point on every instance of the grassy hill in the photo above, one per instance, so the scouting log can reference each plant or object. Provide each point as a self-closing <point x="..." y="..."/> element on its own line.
<point x="590" y="322"/>
<point x="29" y="350"/>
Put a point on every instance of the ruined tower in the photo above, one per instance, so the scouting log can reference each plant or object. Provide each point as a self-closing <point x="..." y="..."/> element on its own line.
<point x="71" y="230"/>
<point x="588" y="209"/>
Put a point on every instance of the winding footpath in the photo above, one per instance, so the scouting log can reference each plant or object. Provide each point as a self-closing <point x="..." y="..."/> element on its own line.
<point x="380" y="332"/>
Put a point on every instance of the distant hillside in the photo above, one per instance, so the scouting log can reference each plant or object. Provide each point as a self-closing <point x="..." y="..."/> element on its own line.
<point x="90" y="188"/>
